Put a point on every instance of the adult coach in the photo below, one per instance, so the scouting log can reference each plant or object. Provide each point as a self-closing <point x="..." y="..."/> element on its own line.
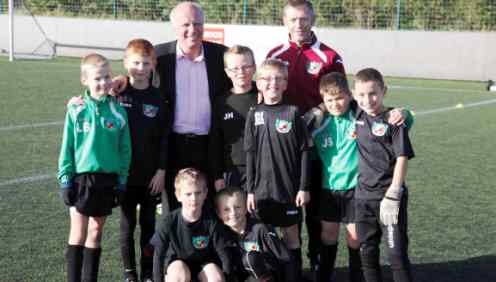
<point x="191" y="72"/>
<point x="308" y="60"/>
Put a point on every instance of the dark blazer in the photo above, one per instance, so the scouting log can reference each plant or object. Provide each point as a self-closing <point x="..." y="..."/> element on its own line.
<point x="218" y="82"/>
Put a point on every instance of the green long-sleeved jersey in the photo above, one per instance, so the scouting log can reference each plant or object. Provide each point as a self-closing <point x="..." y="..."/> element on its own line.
<point x="96" y="139"/>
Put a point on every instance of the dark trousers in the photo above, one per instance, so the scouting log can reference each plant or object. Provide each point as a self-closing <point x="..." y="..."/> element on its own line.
<point x="185" y="150"/>
<point x="370" y="231"/>
<point x="134" y="196"/>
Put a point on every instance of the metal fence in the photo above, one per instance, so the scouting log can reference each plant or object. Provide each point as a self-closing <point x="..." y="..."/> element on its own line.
<point x="474" y="15"/>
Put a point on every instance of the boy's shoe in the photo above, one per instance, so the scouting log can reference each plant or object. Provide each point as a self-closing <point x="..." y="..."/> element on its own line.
<point x="131" y="279"/>
<point x="130" y="276"/>
<point x="147" y="279"/>
<point x="490" y="83"/>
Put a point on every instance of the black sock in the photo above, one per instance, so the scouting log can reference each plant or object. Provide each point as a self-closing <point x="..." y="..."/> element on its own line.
<point x="355" y="265"/>
<point x="293" y="268"/>
<point x="91" y="262"/>
<point x="327" y="261"/>
<point x="74" y="260"/>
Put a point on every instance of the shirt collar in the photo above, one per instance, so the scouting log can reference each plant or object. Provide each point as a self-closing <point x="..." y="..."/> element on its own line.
<point x="306" y="44"/>
<point x="180" y="55"/>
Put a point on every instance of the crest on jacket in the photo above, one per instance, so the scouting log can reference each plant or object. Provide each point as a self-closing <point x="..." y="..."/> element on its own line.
<point x="283" y="126"/>
<point x="199" y="242"/>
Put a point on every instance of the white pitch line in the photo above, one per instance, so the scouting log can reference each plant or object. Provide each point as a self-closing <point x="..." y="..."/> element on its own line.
<point x="27" y="179"/>
<point x="422" y="113"/>
<point x="452" y="108"/>
<point x="33" y="125"/>
<point x="436" y="89"/>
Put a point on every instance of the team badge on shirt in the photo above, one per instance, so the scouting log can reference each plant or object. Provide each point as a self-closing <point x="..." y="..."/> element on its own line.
<point x="251" y="246"/>
<point x="150" y="110"/>
<point x="283" y="126"/>
<point x="352" y="134"/>
<point x="379" y="129"/>
<point x="110" y="124"/>
<point x="259" y="118"/>
<point x="313" y="67"/>
<point x="199" y="242"/>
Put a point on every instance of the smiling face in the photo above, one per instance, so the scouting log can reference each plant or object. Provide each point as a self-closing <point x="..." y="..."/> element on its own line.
<point x="98" y="80"/>
<point x="369" y="96"/>
<point x="240" y="69"/>
<point x="272" y="83"/>
<point x="232" y="211"/>
<point x="139" y="68"/>
<point x="299" y="21"/>
<point x="337" y="104"/>
<point x="187" y="22"/>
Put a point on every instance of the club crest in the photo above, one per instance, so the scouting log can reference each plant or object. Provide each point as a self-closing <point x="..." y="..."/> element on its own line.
<point x="199" y="242"/>
<point x="313" y="67"/>
<point x="110" y="124"/>
<point x="379" y="129"/>
<point x="352" y="133"/>
<point x="283" y="126"/>
<point x="251" y="246"/>
<point x="150" y="110"/>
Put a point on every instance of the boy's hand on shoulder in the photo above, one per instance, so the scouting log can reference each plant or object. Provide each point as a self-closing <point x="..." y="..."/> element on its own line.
<point x="219" y="184"/>
<point x="250" y="203"/>
<point x="119" y="84"/>
<point x="313" y="117"/>
<point x="157" y="183"/>
<point x="75" y="100"/>
<point x="397" y="116"/>
<point x="390" y="206"/>
<point x="302" y="198"/>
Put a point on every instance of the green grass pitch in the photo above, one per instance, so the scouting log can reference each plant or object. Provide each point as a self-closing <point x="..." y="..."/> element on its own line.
<point x="452" y="219"/>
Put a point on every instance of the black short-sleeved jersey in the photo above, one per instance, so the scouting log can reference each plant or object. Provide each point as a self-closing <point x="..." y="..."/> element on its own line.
<point x="226" y="136"/>
<point x="276" y="141"/>
<point x="195" y="243"/>
<point x="259" y="237"/>
<point x="379" y="145"/>
<point x="146" y="113"/>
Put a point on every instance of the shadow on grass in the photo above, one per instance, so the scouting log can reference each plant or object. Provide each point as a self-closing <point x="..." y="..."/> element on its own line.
<point x="477" y="269"/>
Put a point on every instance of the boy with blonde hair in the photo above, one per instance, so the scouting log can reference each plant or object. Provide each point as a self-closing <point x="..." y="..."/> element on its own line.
<point x="260" y="254"/>
<point x="277" y="160"/>
<point x="93" y="166"/>
<point x="229" y="117"/>
<point x="382" y="196"/>
<point x="146" y="111"/>
<point x="191" y="242"/>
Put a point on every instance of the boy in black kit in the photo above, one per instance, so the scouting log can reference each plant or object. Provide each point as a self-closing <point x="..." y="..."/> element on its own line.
<point x="381" y="196"/>
<point x="229" y="115"/>
<point x="191" y="242"/>
<point x="260" y="255"/>
<point x="277" y="160"/>
<point x="147" y="117"/>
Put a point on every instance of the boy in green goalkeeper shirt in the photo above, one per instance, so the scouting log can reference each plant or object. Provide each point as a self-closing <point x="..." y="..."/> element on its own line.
<point x="335" y="142"/>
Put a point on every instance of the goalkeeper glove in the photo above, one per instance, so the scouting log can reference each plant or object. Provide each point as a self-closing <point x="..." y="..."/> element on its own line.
<point x="390" y="206"/>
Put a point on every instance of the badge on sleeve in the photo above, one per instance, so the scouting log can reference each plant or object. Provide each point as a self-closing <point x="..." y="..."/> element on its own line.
<point x="150" y="110"/>
<point x="379" y="129"/>
<point x="283" y="126"/>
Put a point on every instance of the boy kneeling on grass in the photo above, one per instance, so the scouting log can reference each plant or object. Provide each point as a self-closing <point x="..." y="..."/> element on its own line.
<point x="260" y="254"/>
<point x="93" y="166"/>
<point x="191" y="242"/>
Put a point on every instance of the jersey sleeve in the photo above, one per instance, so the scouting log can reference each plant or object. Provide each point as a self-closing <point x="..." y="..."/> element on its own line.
<point x="401" y="142"/>
<point x="160" y="242"/>
<point x="164" y="134"/>
<point x="216" y="142"/>
<point x="250" y="148"/>
<point x="272" y="244"/>
<point x="66" y="165"/>
<point x="304" y="139"/>
<point x="223" y="244"/>
<point x="124" y="151"/>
